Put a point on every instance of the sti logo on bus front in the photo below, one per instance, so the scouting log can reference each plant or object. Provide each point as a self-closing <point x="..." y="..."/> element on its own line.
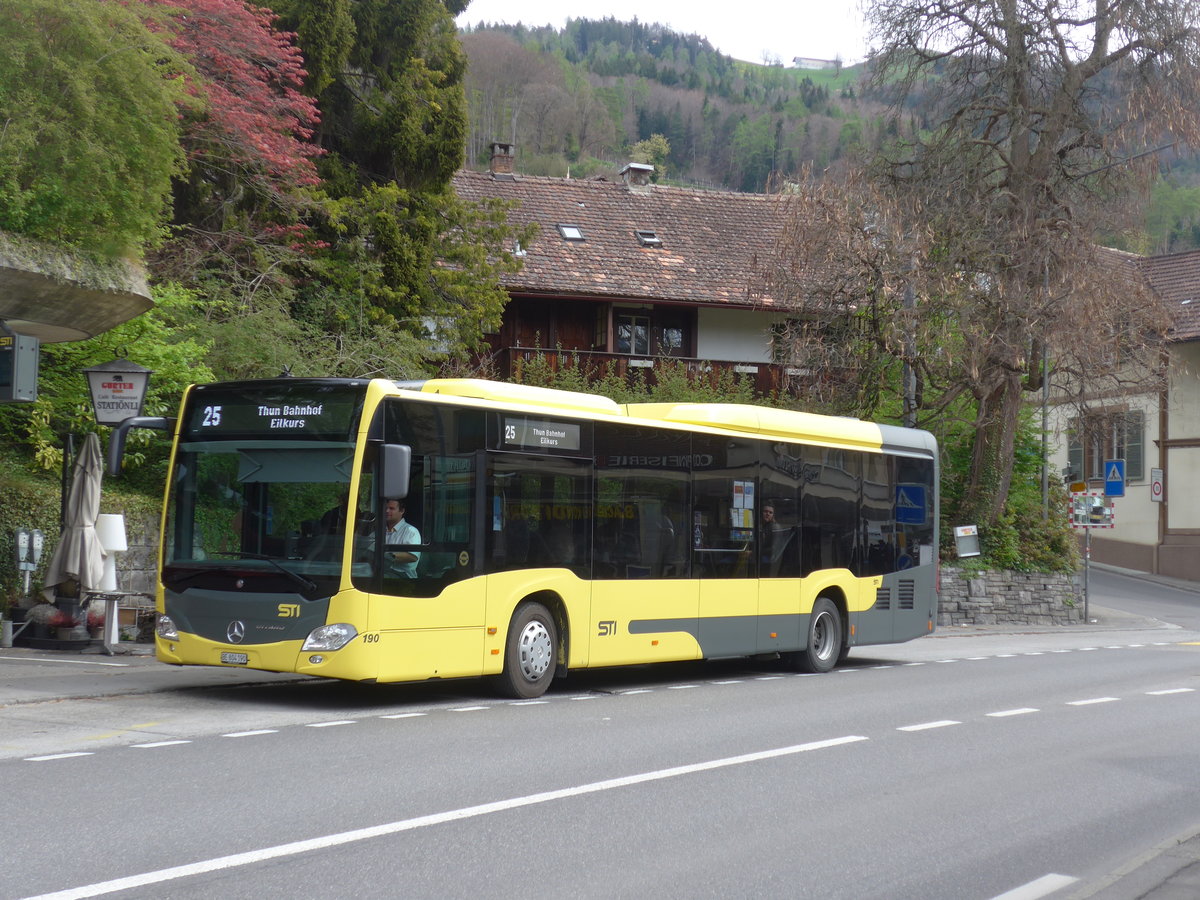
<point x="607" y="628"/>
<point x="289" y="611"/>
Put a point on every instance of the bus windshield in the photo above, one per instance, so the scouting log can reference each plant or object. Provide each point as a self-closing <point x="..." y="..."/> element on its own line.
<point x="274" y="506"/>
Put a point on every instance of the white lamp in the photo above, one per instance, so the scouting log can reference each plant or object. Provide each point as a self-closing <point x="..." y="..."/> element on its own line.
<point x="110" y="530"/>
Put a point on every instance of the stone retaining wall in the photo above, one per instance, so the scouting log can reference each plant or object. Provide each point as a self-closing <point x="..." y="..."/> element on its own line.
<point x="993" y="598"/>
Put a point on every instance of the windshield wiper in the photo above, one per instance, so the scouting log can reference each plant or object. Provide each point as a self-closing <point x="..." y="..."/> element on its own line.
<point x="295" y="576"/>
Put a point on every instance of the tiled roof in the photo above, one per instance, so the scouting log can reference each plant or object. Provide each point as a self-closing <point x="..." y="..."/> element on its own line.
<point x="1176" y="279"/>
<point x="714" y="243"/>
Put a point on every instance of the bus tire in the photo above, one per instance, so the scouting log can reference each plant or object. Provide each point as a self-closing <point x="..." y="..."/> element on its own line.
<point x="824" y="646"/>
<point x="530" y="653"/>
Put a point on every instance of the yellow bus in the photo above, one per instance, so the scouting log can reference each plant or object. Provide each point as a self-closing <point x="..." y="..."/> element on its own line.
<point x="543" y="531"/>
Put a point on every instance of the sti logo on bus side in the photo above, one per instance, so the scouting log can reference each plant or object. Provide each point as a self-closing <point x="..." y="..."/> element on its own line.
<point x="607" y="629"/>
<point x="289" y="611"/>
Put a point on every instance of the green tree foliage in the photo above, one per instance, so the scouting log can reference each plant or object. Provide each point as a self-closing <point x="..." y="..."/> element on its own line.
<point x="89" y="129"/>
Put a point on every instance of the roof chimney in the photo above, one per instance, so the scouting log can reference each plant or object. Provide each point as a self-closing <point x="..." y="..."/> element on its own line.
<point x="502" y="158"/>
<point x="637" y="176"/>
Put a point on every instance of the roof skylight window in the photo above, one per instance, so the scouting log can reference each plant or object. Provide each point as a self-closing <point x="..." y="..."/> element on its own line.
<point x="648" y="238"/>
<point x="570" y="232"/>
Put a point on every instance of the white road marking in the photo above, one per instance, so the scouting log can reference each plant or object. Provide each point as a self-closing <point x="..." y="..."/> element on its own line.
<point x="402" y="716"/>
<point x="1039" y="887"/>
<point x="1093" y="700"/>
<point x="1024" y="710"/>
<point x="527" y="703"/>
<point x="1170" y="691"/>
<point x="252" y="733"/>
<point x="767" y="677"/>
<point x="730" y="681"/>
<point x="69" y="662"/>
<point x="466" y="708"/>
<point x="680" y="687"/>
<point x="924" y="726"/>
<point x="637" y="691"/>
<point x="454" y="815"/>
<point x="158" y="744"/>
<point x="330" y="724"/>
<point x="54" y="756"/>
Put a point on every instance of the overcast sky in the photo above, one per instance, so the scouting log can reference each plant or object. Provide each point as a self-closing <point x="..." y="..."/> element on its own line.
<point x="780" y="29"/>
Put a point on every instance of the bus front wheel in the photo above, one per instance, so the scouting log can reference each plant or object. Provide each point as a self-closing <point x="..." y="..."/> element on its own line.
<point x="530" y="653"/>
<point x="824" y="638"/>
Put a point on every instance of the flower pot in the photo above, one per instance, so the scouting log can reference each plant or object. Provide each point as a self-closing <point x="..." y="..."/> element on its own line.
<point x="65" y="634"/>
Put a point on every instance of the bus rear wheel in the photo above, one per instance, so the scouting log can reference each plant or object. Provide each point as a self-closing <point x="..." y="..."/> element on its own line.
<point x="824" y="647"/>
<point x="530" y="653"/>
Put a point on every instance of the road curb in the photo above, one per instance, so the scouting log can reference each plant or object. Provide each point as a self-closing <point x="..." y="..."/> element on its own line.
<point x="1167" y="871"/>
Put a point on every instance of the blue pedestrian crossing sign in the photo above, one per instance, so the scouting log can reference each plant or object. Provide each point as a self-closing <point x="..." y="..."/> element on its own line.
<point x="910" y="504"/>
<point x="1114" y="478"/>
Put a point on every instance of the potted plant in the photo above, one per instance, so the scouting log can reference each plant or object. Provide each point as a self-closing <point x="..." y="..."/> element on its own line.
<point x="39" y="617"/>
<point x="95" y="623"/>
<point x="64" y="624"/>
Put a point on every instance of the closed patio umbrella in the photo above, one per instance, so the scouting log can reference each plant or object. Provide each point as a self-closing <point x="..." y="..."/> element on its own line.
<point x="79" y="556"/>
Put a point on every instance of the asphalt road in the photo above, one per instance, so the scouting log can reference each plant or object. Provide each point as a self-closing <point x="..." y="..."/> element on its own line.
<point x="965" y="765"/>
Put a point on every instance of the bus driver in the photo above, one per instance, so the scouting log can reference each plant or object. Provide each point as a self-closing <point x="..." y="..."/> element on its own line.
<point x="398" y="531"/>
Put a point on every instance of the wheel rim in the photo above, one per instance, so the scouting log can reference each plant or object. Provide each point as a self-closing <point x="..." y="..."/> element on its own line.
<point x="823" y="635"/>
<point x="535" y="650"/>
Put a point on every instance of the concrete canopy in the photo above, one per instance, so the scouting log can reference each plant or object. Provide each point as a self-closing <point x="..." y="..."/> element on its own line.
<point x="56" y="294"/>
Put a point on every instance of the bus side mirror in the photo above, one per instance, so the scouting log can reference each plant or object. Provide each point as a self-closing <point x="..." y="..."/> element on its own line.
<point x="396" y="464"/>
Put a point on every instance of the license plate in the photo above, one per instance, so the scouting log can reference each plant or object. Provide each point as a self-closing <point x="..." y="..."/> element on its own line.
<point x="235" y="659"/>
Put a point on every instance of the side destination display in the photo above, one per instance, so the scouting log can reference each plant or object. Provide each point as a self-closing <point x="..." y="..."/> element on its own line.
<point x="522" y="432"/>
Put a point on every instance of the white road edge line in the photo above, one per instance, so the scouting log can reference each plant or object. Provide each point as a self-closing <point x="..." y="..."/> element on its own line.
<point x="55" y="756"/>
<point x="454" y="815"/>
<point x="69" y="662"/>
<point x="1039" y="887"/>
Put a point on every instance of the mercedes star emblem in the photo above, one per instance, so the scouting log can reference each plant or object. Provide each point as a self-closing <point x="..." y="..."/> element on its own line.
<point x="235" y="632"/>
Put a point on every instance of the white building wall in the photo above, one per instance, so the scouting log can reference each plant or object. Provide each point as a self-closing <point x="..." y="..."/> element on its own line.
<point x="1183" y="422"/>
<point x="734" y="334"/>
<point x="1136" y="515"/>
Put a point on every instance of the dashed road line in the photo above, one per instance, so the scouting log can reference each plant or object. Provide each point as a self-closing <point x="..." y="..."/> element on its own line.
<point x="1092" y="701"/>
<point x="408" y="715"/>
<point x="155" y="744"/>
<point x="925" y="726"/>
<point x="1170" y="691"/>
<point x="254" y="733"/>
<point x="331" y="724"/>
<point x="1005" y="713"/>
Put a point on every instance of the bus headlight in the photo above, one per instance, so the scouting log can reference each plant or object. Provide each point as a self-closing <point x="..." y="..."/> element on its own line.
<point x="166" y="629"/>
<point x="330" y="637"/>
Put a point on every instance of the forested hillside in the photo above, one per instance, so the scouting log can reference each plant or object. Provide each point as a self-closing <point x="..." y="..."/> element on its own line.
<point x="592" y="95"/>
<point x="580" y="98"/>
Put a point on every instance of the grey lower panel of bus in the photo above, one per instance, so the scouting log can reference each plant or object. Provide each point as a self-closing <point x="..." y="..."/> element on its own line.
<point x="904" y="606"/>
<point x="720" y="636"/>
<point x="263" y="618"/>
